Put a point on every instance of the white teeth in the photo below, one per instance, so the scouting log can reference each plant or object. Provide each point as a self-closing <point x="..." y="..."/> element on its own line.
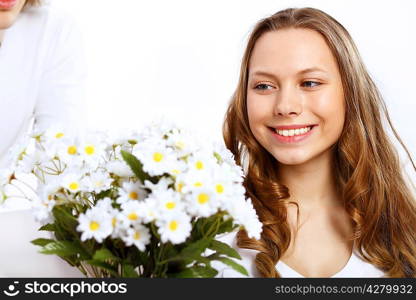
<point x="292" y="132"/>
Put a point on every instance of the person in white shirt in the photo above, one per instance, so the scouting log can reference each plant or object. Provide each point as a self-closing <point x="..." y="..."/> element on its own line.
<point x="42" y="74"/>
<point x="42" y="70"/>
<point x="306" y="122"/>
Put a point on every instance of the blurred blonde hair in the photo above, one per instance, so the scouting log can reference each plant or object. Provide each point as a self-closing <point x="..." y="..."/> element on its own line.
<point x="367" y="168"/>
<point x="32" y="2"/>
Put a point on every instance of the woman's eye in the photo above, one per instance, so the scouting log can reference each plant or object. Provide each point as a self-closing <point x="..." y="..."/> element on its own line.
<point x="263" y="87"/>
<point x="310" y="84"/>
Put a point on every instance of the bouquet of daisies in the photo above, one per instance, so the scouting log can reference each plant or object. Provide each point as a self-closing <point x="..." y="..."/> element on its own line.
<point x="137" y="204"/>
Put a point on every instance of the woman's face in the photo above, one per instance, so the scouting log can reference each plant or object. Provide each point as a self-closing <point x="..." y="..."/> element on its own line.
<point x="9" y="10"/>
<point x="295" y="99"/>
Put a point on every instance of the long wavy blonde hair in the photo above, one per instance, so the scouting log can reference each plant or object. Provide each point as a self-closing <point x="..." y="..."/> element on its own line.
<point x="367" y="169"/>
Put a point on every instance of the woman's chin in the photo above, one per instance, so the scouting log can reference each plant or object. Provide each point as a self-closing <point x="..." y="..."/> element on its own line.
<point x="7" y="19"/>
<point x="293" y="159"/>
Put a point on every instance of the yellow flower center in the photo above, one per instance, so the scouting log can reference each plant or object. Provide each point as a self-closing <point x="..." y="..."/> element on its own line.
<point x="94" y="226"/>
<point x="157" y="157"/>
<point x="179" y="187"/>
<point x="199" y="165"/>
<point x="136" y="235"/>
<point x="132" y="216"/>
<point x="113" y="222"/>
<point x="133" y="195"/>
<point x="99" y="183"/>
<point x="198" y="184"/>
<point x="73" y="186"/>
<point x="203" y="198"/>
<point x="59" y="135"/>
<point x="219" y="188"/>
<point x="173" y="225"/>
<point x="72" y="150"/>
<point x="90" y="150"/>
<point x="170" y="205"/>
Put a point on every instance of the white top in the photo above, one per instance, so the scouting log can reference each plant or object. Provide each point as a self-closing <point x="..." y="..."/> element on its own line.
<point x="42" y="74"/>
<point x="20" y="258"/>
<point x="355" y="267"/>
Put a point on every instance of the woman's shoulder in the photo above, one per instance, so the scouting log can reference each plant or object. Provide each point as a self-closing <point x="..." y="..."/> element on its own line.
<point x="247" y="258"/>
<point x="45" y="19"/>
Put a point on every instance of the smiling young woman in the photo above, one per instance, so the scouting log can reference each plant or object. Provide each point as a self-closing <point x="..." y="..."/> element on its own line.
<point x="306" y="122"/>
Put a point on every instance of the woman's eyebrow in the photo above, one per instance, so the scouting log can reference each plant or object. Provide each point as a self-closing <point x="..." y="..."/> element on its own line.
<point x="310" y="70"/>
<point x="301" y="72"/>
<point x="263" y="73"/>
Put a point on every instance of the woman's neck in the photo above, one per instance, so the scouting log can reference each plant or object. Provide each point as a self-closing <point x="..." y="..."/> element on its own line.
<point x="312" y="185"/>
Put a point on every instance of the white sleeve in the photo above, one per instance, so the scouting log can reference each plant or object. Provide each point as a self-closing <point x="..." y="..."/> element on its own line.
<point x="62" y="85"/>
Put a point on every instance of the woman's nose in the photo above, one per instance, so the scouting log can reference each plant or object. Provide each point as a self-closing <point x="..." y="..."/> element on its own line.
<point x="288" y="102"/>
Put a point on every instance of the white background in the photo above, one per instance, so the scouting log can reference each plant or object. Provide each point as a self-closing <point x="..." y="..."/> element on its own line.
<point x="181" y="58"/>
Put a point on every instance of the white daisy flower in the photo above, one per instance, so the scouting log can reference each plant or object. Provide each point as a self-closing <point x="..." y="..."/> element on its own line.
<point x="132" y="211"/>
<point x="131" y="191"/>
<point x="69" y="153"/>
<point x="162" y="185"/>
<point x="156" y="157"/>
<point x="202" y="161"/>
<point x="149" y="210"/>
<point x="178" y="167"/>
<point x="97" y="181"/>
<point x="72" y="182"/>
<point x="174" y="228"/>
<point x="120" y="168"/>
<point x="42" y="214"/>
<point x="167" y="202"/>
<point x="95" y="223"/>
<point x="48" y="193"/>
<point x="121" y="136"/>
<point x="92" y="151"/>
<point x="138" y="236"/>
<point x="31" y="160"/>
<point x="243" y="213"/>
<point x="194" y="180"/>
<point x="202" y="202"/>
<point x="105" y="204"/>
<point x="182" y="142"/>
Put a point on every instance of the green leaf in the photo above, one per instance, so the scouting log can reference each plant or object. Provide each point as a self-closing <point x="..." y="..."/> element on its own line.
<point x="224" y="248"/>
<point x="196" y="248"/>
<point x="239" y="268"/>
<point x="105" y="266"/>
<point x="104" y="254"/>
<point x="47" y="227"/>
<point x="129" y="271"/>
<point x="135" y="165"/>
<point x="103" y="194"/>
<point x="196" y="272"/>
<point x="226" y="226"/>
<point x="42" y="242"/>
<point x="62" y="248"/>
<point x="63" y="217"/>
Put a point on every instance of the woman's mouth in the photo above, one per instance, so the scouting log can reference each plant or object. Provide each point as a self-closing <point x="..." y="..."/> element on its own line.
<point x="292" y="134"/>
<point x="7" y="4"/>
